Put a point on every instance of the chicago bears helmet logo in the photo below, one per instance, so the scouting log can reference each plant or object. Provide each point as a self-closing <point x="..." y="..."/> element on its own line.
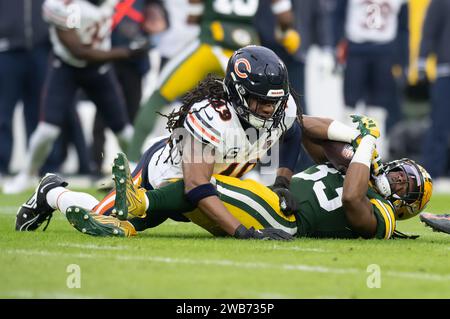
<point x="242" y="72"/>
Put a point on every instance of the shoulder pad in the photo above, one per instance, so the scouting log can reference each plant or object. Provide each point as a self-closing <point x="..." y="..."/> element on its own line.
<point x="206" y="124"/>
<point x="58" y="12"/>
<point x="384" y="212"/>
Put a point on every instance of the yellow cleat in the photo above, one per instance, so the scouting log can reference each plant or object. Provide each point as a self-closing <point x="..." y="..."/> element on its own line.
<point x="131" y="200"/>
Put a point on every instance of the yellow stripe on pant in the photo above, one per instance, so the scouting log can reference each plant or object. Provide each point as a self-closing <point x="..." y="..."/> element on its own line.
<point x="190" y="70"/>
<point x="252" y="203"/>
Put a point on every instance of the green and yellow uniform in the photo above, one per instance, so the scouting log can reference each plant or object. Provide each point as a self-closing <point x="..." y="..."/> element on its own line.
<point x="226" y="25"/>
<point x="318" y="191"/>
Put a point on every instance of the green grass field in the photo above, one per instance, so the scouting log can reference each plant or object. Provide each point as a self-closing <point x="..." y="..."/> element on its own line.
<point x="180" y="260"/>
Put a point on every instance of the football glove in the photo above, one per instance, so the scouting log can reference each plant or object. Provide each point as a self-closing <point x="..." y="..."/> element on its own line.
<point x="366" y="125"/>
<point x="288" y="203"/>
<point x="290" y="40"/>
<point x="139" y="46"/>
<point x="265" y="234"/>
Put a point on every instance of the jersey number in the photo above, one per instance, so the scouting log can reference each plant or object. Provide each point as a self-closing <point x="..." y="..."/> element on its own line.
<point x="246" y="8"/>
<point x="319" y="187"/>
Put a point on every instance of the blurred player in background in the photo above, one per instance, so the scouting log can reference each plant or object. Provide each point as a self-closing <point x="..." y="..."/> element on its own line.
<point x="369" y="35"/>
<point x="225" y="26"/>
<point x="144" y="18"/>
<point x="435" y="40"/>
<point x="81" y="37"/>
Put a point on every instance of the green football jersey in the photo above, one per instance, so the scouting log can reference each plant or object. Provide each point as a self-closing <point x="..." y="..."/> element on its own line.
<point x="318" y="191"/>
<point x="229" y="23"/>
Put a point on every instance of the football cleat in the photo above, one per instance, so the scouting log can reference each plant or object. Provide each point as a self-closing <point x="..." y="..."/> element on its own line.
<point x="440" y="223"/>
<point x="130" y="199"/>
<point x="36" y="210"/>
<point x="93" y="224"/>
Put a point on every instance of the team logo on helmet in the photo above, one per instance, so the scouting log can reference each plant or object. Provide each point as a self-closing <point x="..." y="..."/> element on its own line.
<point x="243" y="74"/>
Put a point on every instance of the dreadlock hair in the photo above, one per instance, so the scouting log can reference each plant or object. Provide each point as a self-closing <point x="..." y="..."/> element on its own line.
<point x="211" y="89"/>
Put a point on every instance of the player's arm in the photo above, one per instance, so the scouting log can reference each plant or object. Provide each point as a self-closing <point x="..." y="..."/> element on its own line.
<point x="195" y="11"/>
<point x="358" y="209"/>
<point x="72" y="42"/>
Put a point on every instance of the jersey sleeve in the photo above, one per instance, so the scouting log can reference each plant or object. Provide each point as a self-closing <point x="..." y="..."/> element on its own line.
<point x="58" y="13"/>
<point x="384" y="212"/>
<point x="204" y="124"/>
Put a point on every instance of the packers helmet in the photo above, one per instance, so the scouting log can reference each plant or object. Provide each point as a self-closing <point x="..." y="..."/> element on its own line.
<point x="419" y="187"/>
<point x="257" y="72"/>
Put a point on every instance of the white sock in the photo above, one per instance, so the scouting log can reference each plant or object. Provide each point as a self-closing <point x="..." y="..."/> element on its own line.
<point x="61" y="198"/>
<point x="41" y="142"/>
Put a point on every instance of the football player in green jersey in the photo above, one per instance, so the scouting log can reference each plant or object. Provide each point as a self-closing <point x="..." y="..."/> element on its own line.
<point x="329" y="204"/>
<point x="225" y="26"/>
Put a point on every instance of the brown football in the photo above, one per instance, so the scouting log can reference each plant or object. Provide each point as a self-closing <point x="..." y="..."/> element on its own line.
<point x="339" y="154"/>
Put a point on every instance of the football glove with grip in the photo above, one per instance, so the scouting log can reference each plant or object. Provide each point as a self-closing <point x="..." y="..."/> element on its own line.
<point x="289" y="39"/>
<point x="368" y="126"/>
<point x="288" y="203"/>
<point x="265" y="234"/>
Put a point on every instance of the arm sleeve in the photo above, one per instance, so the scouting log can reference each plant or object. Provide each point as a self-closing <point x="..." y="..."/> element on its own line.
<point x="430" y="30"/>
<point x="290" y="144"/>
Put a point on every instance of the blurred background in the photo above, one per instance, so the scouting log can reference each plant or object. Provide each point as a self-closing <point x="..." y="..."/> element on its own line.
<point x="388" y="59"/>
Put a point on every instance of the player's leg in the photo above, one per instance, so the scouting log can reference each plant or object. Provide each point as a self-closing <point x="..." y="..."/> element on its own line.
<point x="103" y="89"/>
<point x="252" y="203"/>
<point x="180" y="75"/>
<point x="57" y="96"/>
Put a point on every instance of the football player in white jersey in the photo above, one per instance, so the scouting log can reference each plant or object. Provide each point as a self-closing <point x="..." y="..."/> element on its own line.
<point x="80" y="32"/>
<point x="225" y="126"/>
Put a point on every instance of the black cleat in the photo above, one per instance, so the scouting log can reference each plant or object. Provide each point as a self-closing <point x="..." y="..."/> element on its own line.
<point x="35" y="211"/>
<point x="440" y="223"/>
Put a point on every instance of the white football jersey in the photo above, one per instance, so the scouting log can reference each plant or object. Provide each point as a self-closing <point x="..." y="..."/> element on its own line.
<point x="372" y="20"/>
<point x="92" y="24"/>
<point x="220" y="127"/>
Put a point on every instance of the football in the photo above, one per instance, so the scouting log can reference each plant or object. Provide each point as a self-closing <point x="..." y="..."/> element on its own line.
<point x="339" y="154"/>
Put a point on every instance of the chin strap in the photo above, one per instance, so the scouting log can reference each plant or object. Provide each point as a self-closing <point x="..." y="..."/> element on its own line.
<point x="399" y="235"/>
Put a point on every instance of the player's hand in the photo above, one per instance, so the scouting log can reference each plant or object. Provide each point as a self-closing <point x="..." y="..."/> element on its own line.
<point x="139" y="46"/>
<point x="377" y="165"/>
<point x="288" y="203"/>
<point x="265" y="234"/>
<point x="366" y="126"/>
<point x="290" y="40"/>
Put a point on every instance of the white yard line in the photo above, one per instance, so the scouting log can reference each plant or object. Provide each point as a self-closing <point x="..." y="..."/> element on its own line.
<point x="230" y="263"/>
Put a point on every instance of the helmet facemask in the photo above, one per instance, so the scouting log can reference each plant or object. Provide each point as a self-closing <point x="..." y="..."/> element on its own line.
<point x="418" y="185"/>
<point x="241" y="103"/>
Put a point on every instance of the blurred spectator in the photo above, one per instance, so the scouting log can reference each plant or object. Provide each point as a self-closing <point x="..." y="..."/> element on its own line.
<point x="372" y="37"/>
<point x="435" y="39"/>
<point x="224" y="27"/>
<point x="132" y="18"/>
<point x="81" y="37"/>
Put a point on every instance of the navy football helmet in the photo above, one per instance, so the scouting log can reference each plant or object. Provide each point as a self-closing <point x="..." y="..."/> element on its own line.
<point x="257" y="72"/>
